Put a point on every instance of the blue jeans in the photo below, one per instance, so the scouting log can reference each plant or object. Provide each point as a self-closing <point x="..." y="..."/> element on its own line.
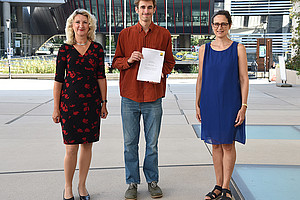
<point x="131" y="114"/>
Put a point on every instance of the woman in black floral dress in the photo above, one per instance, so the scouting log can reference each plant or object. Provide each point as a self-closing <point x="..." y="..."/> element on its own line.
<point x="79" y="96"/>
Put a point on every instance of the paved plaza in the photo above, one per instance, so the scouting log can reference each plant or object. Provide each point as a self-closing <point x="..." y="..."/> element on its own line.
<point x="32" y="152"/>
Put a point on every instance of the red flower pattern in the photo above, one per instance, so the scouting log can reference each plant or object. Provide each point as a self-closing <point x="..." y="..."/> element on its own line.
<point x="87" y="86"/>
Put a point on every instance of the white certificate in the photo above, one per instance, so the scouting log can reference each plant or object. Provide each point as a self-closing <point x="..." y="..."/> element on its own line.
<point x="151" y="65"/>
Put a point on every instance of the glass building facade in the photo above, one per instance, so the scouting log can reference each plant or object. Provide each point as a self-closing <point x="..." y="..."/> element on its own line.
<point x="187" y="20"/>
<point x="178" y="16"/>
<point x="254" y="19"/>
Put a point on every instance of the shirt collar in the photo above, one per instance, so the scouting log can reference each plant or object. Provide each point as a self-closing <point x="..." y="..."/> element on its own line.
<point x="140" y="28"/>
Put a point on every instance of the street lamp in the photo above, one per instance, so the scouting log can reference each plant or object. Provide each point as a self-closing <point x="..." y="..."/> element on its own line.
<point x="8" y="49"/>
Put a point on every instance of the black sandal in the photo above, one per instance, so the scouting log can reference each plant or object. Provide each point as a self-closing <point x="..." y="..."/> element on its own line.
<point x="213" y="195"/>
<point x="224" y="192"/>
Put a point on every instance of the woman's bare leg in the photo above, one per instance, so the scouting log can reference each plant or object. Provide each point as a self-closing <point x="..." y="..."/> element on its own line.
<point x="217" y="152"/>
<point x="229" y="159"/>
<point x="69" y="168"/>
<point x="84" y="166"/>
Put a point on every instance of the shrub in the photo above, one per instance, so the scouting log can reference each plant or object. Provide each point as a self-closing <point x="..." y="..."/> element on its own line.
<point x="29" y="66"/>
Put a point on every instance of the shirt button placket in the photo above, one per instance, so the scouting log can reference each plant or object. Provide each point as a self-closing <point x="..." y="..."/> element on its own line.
<point x="145" y="84"/>
<point x="145" y="41"/>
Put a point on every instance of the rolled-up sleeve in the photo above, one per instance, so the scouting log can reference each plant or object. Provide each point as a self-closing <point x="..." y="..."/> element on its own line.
<point x="169" y="61"/>
<point x="61" y="63"/>
<point x="120" y="61"/>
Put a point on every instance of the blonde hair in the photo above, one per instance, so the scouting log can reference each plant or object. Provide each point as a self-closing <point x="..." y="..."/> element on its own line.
<point x="69" y="26"/>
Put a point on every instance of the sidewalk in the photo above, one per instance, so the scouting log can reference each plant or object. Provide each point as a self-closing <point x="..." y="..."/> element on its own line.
<point x="32" y="151"/>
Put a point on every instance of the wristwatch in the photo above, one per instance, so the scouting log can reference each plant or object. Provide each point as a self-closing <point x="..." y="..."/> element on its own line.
<point x="104" y="101"/>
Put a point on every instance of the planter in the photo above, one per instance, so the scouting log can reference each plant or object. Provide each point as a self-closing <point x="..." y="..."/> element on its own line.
<point x="291" y="77"/>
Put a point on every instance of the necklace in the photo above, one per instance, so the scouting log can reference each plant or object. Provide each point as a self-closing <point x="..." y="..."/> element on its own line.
<point x="82" y="44"/>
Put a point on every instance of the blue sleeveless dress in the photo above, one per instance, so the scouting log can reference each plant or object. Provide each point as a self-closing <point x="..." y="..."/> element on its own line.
<point x="221" y="97"/>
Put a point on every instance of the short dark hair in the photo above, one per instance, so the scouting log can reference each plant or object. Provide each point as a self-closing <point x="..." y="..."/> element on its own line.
<point x="225" y="13"/>
<point x="136" y="2"/>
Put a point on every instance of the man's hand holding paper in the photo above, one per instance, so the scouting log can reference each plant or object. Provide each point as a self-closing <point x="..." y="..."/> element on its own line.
<point x="135" y="56"/>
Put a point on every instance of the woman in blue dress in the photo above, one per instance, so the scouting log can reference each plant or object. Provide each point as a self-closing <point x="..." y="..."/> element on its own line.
<point x="221" y="100"/>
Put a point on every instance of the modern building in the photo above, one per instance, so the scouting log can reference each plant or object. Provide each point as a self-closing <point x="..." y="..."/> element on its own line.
<point x="267" y="19"/>
<point x="32" y="22"/>
<point x="36" y="20"/>
<point x="179" y="16"/>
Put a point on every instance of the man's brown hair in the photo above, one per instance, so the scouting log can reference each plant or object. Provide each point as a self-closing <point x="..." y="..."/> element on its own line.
<point x="136" y="2"/>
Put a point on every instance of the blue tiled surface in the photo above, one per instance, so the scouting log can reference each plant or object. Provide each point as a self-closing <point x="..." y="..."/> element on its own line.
<point x="265" y="132"/>
<point x="255" y="181"/>
<point x="273" y="132"/>
<point x="197" y="129"/>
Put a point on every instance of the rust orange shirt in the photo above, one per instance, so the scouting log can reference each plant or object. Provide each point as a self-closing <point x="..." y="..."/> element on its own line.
<point x="133" y="39"/>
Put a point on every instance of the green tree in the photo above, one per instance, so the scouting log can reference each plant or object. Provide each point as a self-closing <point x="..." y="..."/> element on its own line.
<point x="294" y="62"/>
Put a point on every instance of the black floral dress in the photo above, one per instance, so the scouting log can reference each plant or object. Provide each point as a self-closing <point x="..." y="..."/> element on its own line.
<point x="80" y="102"/>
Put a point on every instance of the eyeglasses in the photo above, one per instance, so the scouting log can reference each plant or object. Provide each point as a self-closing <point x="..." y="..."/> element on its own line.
<point x="216" y="25"/>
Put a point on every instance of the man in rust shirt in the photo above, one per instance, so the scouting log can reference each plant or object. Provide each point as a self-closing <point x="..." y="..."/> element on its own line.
<point x="141" y="98"/>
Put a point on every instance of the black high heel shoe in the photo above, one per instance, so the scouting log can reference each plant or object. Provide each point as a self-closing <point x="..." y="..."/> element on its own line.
<point x="72" y="198"/>
<point x="87" y="197"/>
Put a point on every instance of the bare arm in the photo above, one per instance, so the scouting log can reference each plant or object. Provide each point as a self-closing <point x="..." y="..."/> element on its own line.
<point x="56" y="96"/>
<point x="103" y="89"/>
<point x="199" y="82"/>
<point x="244" y="81"/>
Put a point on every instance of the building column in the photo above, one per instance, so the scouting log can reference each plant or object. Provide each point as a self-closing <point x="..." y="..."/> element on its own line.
<point x="19" y="18"/>
<point x="29" y="43"/>
<point x="32" y="37"/>
<point x="100" y="37"/>
<point x="227" y="5"/>
<point x="19" y="50"/>
<point x="6" y="15"/>
<point x="185" y="41"/>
